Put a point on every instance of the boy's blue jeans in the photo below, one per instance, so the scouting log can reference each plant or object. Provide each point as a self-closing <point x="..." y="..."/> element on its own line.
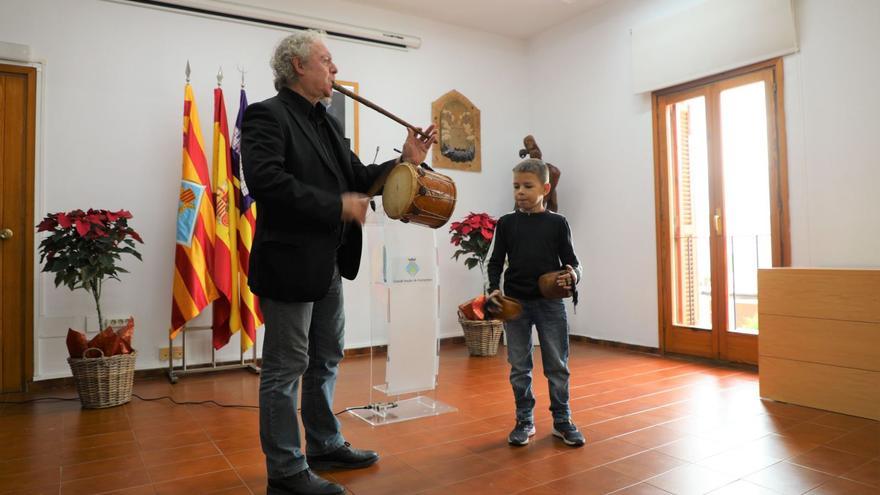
<point x="548" y="316"/>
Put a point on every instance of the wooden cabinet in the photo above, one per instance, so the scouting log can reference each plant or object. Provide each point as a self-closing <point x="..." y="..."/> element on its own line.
<point x="819" y="344"/>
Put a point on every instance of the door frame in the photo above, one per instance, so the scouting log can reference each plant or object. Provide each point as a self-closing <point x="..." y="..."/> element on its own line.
<point x="27" y="233"/>
<point x="739" y="347"/>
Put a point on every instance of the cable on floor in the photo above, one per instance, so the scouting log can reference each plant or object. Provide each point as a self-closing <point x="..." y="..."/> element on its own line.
<point x="376" y="406"/>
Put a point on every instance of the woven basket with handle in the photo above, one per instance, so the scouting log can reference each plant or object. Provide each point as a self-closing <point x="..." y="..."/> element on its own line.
<point x="481" y="337"/>
<point x="103" y="381"/>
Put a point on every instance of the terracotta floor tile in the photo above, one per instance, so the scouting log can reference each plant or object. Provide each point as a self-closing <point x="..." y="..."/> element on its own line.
<point x="814" y="433"/>
<point x="253" y="475"/>
<point x="158" y="457"/>
<point x="741" y="487"/>
<point x="593" y="482"/>
<point x="80" y="455"/>
<point x="739" y="462"/>
<point x="862" y="441"/>
<point x="452" y="471"/>
<point x="115" y="481"/>
<point x="645" y="465"/>
<point x="171" y="441"/>
<point x="787" y="478"/>
<point x="840" y="486"/>
<point x="137" y="490"/>
<point x="693" y="448"/>
<point x="246" y="458"/>
<point x="97" y="468"/>
<point x="501" y="482"/>
<point x="868" y="474"/>
<point x="691" y="479"/>
<point x="829" y="461"/>
<point x="779" y="446"/>
<point x="206" y="483"/>
<point x="641" y="489"/>
<point x="653" y="436"/>
<point x="47" y="490"/>
<point x="188" y="468"/>
<point x="35" y="479"/>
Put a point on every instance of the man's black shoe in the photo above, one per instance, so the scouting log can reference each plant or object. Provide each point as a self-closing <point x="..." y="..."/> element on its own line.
<point x="345" y="457"/>
<point x="304" y="482"/>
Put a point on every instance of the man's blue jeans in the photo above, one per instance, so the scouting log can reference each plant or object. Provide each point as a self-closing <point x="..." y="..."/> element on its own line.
<point x="303" y="340"/>
<point x="548" y="316"/>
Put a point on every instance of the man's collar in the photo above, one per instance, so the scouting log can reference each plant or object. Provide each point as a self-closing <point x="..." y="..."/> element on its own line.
<point x="302" y="105"/>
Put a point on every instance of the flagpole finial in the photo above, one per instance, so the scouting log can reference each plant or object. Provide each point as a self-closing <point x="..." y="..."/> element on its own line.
<point x="220" y="76"/>
<point x="242" y="75"/>
<point x="187" y="71"/>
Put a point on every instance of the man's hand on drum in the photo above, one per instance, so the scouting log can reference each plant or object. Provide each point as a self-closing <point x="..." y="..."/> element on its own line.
<point x="354" y="207"/>
<point x="416" y="147"/>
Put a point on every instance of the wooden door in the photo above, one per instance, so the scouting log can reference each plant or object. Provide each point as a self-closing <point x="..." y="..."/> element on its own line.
<point x="17" y="138"/>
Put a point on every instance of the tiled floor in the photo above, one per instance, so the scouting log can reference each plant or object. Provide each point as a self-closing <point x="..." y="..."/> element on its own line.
<point x="655" y="426"/>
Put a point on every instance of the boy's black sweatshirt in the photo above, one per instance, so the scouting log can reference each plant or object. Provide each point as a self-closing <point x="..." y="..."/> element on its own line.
<point x="534" y="244"/>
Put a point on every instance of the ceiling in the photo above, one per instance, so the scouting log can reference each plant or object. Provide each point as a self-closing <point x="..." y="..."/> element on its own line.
<point x="514" y="18"/>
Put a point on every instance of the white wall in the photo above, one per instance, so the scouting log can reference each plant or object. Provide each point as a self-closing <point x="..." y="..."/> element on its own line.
<point x="112" y="91"/>
<point x="598" y="133"/>
<point x="832" y="105"/>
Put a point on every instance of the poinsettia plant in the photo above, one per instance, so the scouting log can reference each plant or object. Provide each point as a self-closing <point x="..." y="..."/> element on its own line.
<point x="473" y="237"/>
<point x="82" y="248"/>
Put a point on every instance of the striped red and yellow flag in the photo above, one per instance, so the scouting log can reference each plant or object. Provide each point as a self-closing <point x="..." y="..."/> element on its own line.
<point x="193" y="288"/>
<point x="226" y="318"/>
<point x="251" y="316"/>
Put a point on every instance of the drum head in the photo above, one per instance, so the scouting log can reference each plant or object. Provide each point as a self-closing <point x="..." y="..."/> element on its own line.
<point x="400" y="190"/>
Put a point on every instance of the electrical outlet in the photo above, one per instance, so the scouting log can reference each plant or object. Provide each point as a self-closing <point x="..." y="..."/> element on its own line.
<point x="115" y="322"/>
<point x="163" y="354"/>
<point x="177" y="352"/>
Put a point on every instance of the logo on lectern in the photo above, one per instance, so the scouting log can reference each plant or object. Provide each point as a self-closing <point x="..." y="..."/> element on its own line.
<point x="412" y="267"/>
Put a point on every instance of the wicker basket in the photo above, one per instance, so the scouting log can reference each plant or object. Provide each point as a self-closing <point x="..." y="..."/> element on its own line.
<point x="103" y="381"/>
<point x="481" y="336"/>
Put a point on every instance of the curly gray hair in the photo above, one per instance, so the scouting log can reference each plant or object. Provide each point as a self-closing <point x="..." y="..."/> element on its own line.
<point x="533" y="166"/>
<point x="297" y="45"/>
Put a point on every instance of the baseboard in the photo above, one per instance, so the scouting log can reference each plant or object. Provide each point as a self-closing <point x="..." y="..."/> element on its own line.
<point x="614" y="344"/>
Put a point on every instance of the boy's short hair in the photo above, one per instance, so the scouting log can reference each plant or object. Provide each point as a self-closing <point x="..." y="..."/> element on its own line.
<point x="533" y="166"/>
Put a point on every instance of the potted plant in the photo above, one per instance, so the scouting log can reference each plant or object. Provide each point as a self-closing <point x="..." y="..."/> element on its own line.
<point x="82" y="249"/>
<point x="472" y="237"/>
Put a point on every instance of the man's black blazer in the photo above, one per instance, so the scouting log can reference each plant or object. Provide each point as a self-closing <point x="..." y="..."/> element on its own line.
<point x="297" y="189"/>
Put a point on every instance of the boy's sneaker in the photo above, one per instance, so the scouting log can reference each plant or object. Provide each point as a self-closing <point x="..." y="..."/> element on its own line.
<point x="521" y="433"/>
<point x="568" y="432"/>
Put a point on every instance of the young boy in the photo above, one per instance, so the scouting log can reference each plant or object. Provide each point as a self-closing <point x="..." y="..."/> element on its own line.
<point x="535" y="241"/>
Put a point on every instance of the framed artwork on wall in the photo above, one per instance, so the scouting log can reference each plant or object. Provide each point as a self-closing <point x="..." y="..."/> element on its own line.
<point x="458" y="125"/>
<point x="347" y="112"/>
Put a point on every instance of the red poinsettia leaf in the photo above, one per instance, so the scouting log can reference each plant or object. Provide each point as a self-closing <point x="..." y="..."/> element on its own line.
<point x="82" y="228"/>
<point x="99" y="232"/>
<point x="112" y="216"/>
<point x="454" y="226"/>
<point x="64" y="220"/>
<point x="95" y="218"/>
<point x="466" y="229"/>
<point x="487" y="234"/>
<point x="123" y="214"/>
<point x="456" y="241"/>
<point x="135" y="235"/>
<point x="48" y="223"/>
